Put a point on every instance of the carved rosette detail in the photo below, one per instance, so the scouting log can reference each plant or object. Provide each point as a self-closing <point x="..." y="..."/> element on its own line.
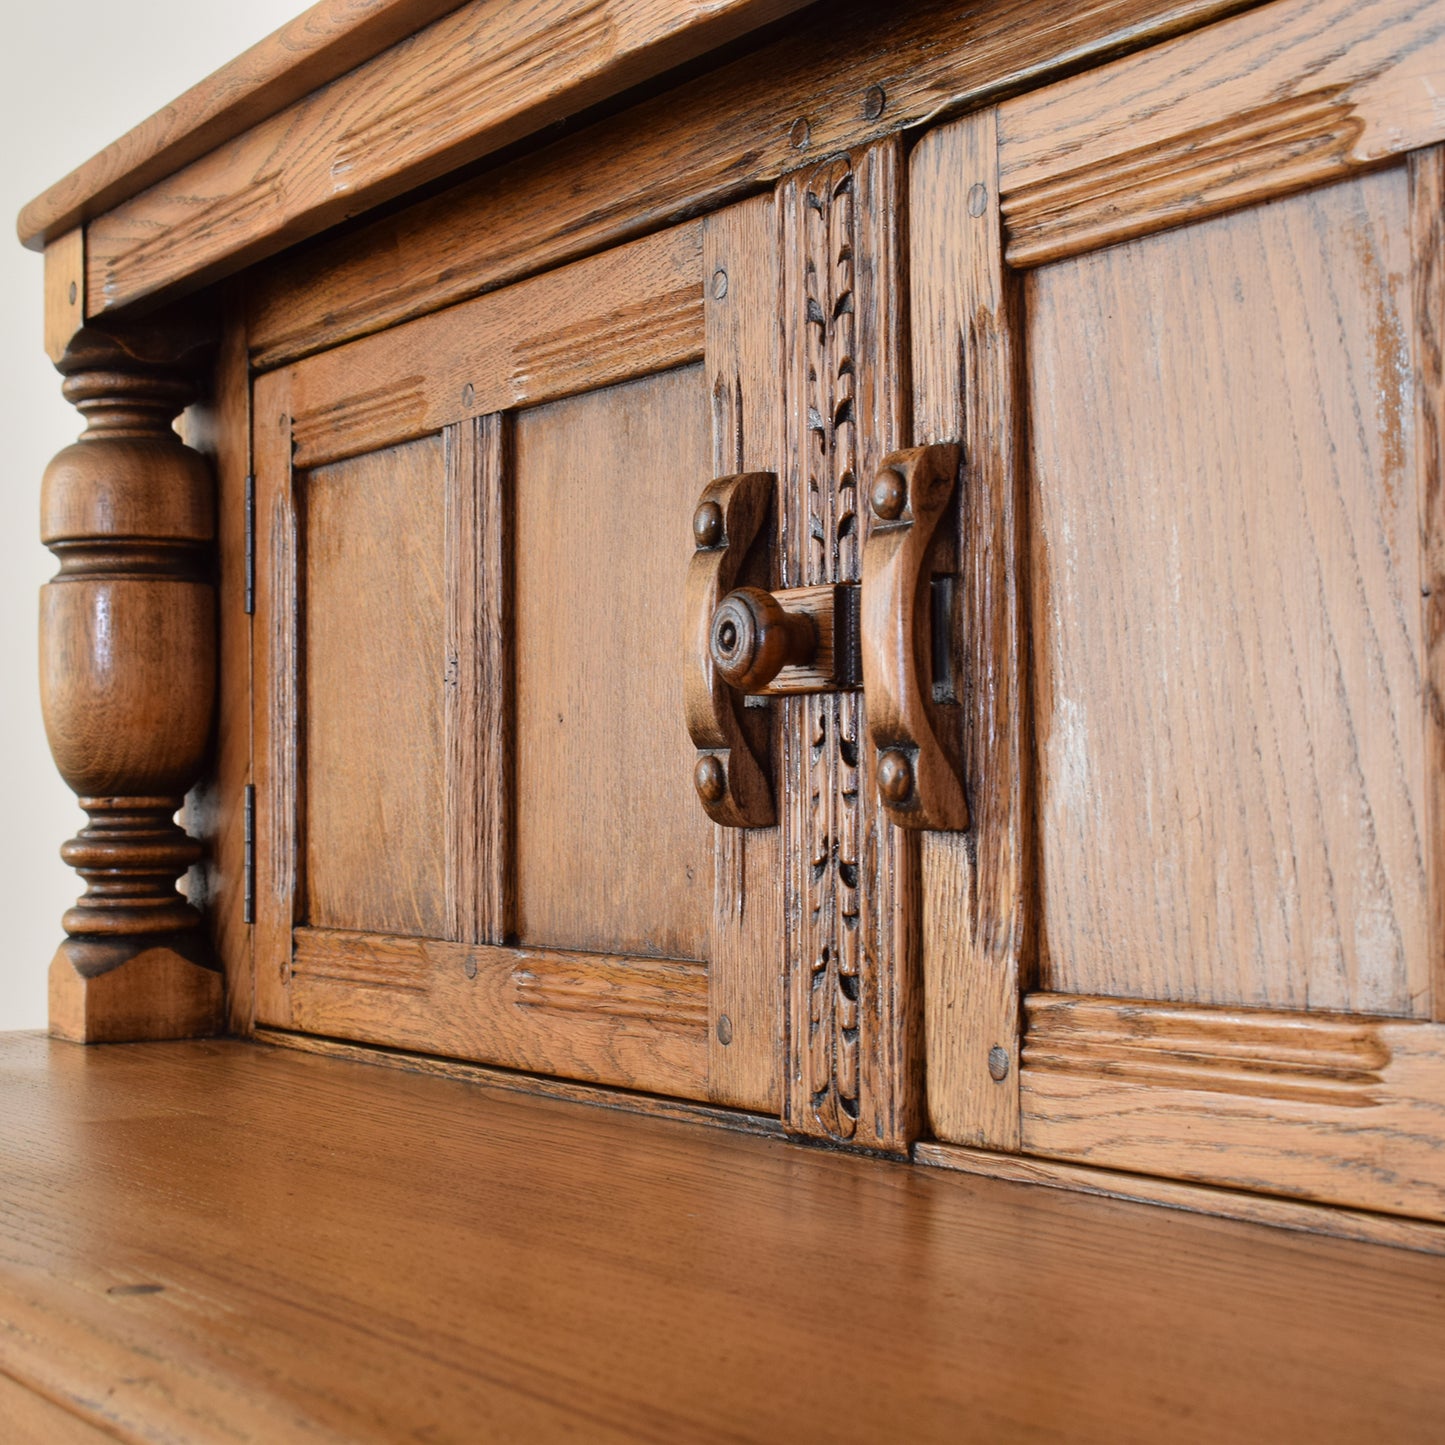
<point x="828" y="906"/>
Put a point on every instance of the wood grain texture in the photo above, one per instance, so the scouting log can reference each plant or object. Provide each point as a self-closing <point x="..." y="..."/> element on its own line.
<point x="635" y="310"/>
<point x="64" y="292"/>
<point x="636" y="1023"/>
<point x="461" y="1254"/>
<point x="469" y="84"/>
<point x="1335" y="1108"/>
<point x="613" y="853"/>
<point x="1427" y="359"/>
<point x="1387" y="1229"/>
<point x="1295" y="94"/>
<point x="510" y="1081"/>
<point x="220" y="428"/>
<point x="1226" y="577"/>
<point x="478" y="721"/>
<point x="853" y="1046"/>
<point x="374" y="671"/>
<point x="743" y="367"/>
<point x="275" y="705"/>
<point x="329" y="39"/>
<point x="31" y="1419"/>
<point x="979" y="905"/>
<point x="693" y="148"/>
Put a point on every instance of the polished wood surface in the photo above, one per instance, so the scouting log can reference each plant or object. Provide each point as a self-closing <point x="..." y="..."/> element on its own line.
<point x="127" y="688"/>
<point x="482" y="78"/>
<point x="851" y="74"/>
<point x="321" y="1250"/>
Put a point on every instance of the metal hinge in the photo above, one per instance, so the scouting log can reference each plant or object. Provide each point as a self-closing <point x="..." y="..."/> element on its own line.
<point x="250" y="545"/>
<point x="248" y="872"/>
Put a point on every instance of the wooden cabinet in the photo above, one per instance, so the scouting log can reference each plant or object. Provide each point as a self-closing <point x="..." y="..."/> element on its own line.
<point x="1073" y="385"/>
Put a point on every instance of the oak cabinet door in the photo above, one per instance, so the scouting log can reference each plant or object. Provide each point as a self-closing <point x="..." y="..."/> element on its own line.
<point x="1187" y="312"/>
<point x="477" y="829"/>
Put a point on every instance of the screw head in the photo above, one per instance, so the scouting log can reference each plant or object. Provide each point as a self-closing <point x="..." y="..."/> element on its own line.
<point x="710" y="778"/>
<point x="719" y="284"/>
<point x="724" y="1030"/>
<point x="801" y="134"/>
<point x="74" y="293"/>
<point x="707" y="525"/>
<point x="889" y="495"/>
<point x="895" y="776"/>
<point x="469" y="396"/>
<point x="977" y="199"/>
<point x="998" y="1064"/>
<point x="874" y="99"/>
<point x="469" y="966"/>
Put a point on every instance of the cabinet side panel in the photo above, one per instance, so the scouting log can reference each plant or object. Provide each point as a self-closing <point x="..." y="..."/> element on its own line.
<point x="1227" y="599"/>
<point x="375" y="679"/>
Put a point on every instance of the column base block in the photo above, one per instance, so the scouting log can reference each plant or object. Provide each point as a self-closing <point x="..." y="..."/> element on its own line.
<point x="130" y="989"/>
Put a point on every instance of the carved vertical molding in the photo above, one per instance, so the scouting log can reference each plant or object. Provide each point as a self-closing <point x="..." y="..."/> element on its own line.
<point x="852" y="1067"/>
<point x="128" y="676"/>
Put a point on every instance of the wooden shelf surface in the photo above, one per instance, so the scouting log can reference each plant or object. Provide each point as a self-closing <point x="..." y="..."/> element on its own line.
<point x="234" y="1242"/>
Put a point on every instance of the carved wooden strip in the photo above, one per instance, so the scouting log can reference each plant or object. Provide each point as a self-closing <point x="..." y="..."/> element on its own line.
<point x="853" y="1055"/>
<point x="978" y="905"/>
<point x="743" y="364"/>
<point x="463" y="87"/>
<point x="637" y="310"/>
<point x="639" y="1023"/>
<point x="1427" y="344"/>
<point x="679" y="153"/>
<point x="1292" y="95"/>
<point x="1343" y="1110"/>
<point x="1353" y="1224"/>
<point x="274" y="716"/>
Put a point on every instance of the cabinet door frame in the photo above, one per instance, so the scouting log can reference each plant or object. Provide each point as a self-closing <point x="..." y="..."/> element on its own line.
<point x="1292" y="96"/>
<point x="630" y="1021"/>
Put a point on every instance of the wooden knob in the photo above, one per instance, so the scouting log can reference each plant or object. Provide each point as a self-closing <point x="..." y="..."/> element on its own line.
<point x="753" y="638"/>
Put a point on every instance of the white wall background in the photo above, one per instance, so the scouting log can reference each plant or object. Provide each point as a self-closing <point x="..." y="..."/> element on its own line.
<point x="74" y="76"/>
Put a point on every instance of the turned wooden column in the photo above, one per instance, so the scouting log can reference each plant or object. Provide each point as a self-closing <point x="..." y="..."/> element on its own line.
<point x="127" y="678"/>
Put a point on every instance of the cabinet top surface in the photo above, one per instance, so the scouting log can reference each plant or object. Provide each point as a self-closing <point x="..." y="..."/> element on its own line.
<point x="565" y="55"/>
<point x="225" y="1239"/>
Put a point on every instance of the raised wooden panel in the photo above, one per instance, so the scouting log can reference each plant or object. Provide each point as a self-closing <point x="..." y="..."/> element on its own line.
<point x="1329" y="1107"/>
<point x="1227" y="619"/>
<point x="613" y="853"/>
<point x="374" y="691"/>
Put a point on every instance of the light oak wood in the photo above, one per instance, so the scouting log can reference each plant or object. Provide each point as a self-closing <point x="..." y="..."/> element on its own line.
<point x="329" y="39"/>
<point x="1336" y="1108"/>
<point x="634" y="311"/>
<point x="1297" y="94"/>
<point x="352" y="1253"/>
<point x="637" y="1023"/>
<point x="374" y="688"/>
<point x="1227" y="626"/>
<point x="64" y="292"/>
<point x="1354" y="1224"/>
<point x="31" y="1419"/>
<point x="613" y="853"/>
<point x="979" y="918"/>
<point x="469" y="84"/>
<point x="808" y="95"/>
<point x="744" y="371"/>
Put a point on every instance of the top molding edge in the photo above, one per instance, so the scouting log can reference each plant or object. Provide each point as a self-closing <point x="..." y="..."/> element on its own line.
<point x="318" y="47"/>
